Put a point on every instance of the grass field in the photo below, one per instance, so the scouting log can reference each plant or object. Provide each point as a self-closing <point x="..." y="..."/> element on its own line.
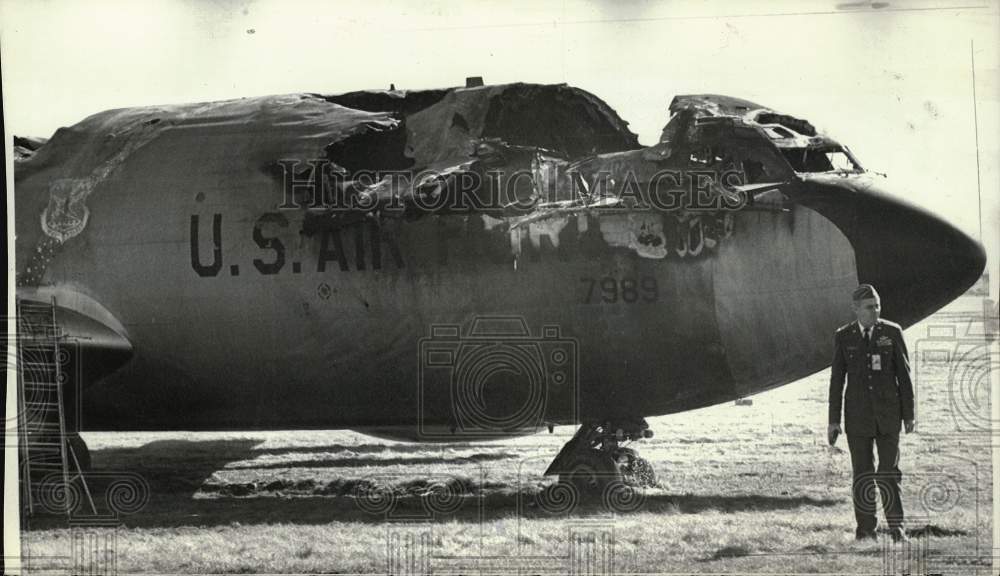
<point x="741" y="489"/>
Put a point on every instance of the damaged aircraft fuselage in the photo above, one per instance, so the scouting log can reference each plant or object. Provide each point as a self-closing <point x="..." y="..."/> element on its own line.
<point x="489" y="259"/>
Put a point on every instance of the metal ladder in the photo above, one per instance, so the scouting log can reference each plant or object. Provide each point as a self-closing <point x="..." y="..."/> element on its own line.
<point x="48" y="461"/>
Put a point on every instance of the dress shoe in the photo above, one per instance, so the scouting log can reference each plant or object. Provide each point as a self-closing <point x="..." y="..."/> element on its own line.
<point x="898" y="535"/>
<point x="865" y="535"/>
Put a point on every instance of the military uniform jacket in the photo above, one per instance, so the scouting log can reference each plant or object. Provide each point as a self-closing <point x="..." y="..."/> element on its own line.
<point x="879" y="392"/>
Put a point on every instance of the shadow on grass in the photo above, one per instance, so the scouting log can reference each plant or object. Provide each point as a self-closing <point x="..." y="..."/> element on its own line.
<point x="357" y="462"/>
<point x="419" y="504"/>
<point x="175" y="466"/>
<point x="135" y="478"/>
<point x="363" y="448"/>
<point x="178" y="494"/>
<point x="728" y="552"/>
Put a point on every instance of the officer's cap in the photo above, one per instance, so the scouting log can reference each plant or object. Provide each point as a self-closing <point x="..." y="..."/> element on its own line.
<point x="863" y="292"/>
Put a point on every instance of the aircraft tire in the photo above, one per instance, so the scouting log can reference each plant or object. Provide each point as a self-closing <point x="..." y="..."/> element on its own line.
<point x="636" y="470"/>
<point x="642" y="473"/>
<point x="590" y="472"/>
<point x="81" y="451"/>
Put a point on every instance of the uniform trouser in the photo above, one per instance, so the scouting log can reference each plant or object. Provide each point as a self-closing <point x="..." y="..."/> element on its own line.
<point x="868" y="481"/>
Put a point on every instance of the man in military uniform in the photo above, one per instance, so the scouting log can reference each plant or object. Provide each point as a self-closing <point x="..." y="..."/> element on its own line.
<point x="872" y="354"/>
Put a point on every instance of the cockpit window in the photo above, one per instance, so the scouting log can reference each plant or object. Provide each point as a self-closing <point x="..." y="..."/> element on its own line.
<point x="833" y="159"/>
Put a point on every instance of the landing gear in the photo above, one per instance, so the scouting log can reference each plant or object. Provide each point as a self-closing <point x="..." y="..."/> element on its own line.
<point x="594" y="458"/>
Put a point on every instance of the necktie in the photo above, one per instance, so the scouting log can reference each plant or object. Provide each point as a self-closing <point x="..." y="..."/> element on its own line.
<point x="867" y="336"/>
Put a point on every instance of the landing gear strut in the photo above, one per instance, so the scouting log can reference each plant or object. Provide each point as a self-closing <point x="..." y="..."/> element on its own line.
<point x="80" y="449"/>
<point x="594" y="457"/>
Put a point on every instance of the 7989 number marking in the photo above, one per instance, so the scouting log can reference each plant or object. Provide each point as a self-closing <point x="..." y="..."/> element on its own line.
<point x="611" y="290"/>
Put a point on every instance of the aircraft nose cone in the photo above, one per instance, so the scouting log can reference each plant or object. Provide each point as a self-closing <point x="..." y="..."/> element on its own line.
<point x="917" y="261"/>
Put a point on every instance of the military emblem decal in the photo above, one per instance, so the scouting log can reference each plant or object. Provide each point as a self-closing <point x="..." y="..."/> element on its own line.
<point x="66" y="214"/>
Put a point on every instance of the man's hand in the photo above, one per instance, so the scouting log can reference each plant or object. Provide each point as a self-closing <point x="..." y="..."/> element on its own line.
<point x="832" y="431"/>
<point x="909" y="425"/>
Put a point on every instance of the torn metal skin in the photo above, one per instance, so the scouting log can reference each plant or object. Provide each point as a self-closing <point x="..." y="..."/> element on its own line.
<point x="707" y="134"/>
<point x="525" y="157"/>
